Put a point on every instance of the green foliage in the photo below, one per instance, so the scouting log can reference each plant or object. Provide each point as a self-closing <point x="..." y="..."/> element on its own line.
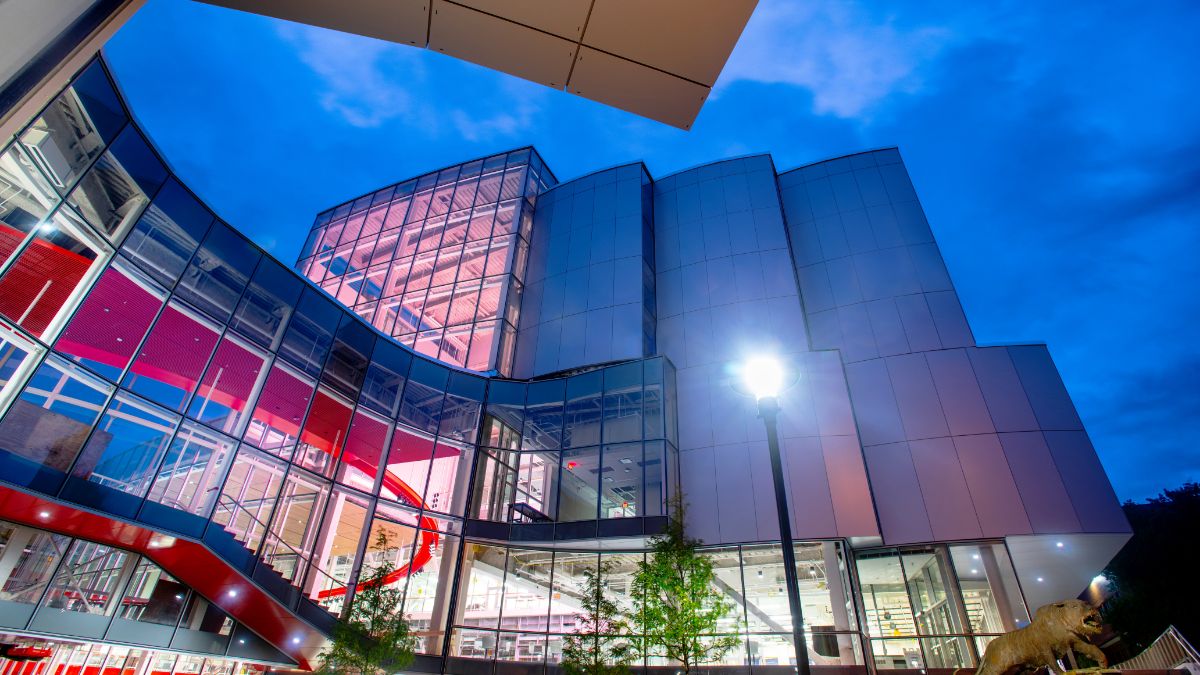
<point x="677" y="607"/>
<point x="375" y="637"/>
<point x="1154" y="567"/>
<point x="602" y="644"/>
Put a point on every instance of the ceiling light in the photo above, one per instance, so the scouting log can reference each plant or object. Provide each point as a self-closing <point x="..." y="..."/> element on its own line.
<point x="1040" y="579"/>
<point x="1058" y="544"/>
<point x="232" y="593"/>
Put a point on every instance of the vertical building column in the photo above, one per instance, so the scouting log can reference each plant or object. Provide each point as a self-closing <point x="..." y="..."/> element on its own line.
<point x="991" y="568"/>
<point x="838" y="596"/>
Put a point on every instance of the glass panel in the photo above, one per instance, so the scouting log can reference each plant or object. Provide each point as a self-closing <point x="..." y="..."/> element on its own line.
<point x="17" y="359"/>
<point x="623" y="403"/>
<point x="427" y="600"/>
<point x="989" y="588"/>
<point x="324" y="432"/>
<point x="295" y="525"/>
<point x="89" y="579"/>
<point x="407" y="469"/>
<point x="483" y="567"/>
<point x="568" y="588"/>
<point x="621" y="480"/>
<point x="578" y="496"/>
<point x="114" y="191"/>
<point x="445" y="482"/>
<point x="50" y="421"/>
<point x="153" y="596"/>
<point x="75" y="127"/>
<point x="537" y="484"/>
<point x="527" y="591"/>
<point x="310" y="332"/>
<point x="248" y="496"/>
<point x="27" y="199"/>
<point x="337" y="548"/>
<point x="168" y="233"/>
<point x="825" y="589"/>
<point x="652" y="399"/>
<point x="348" y="360"/>
<point x="767" y="608"/>
<point x="115" y="316"/>
<point x="543" y="416"/>
<point x="422" y="402"/>
<point x="495" y="485"/>
<point x="655" y="499"/>
<point x="886" y="607"/>
<point x="932" y="605"/>
<point x="275" y="425"/>
<point x="460" y="413"/>
<point x="583" y="410"/>
<point x="385" y="378"/>
<point x="127" y="446"/>
<point x="192" y="473"/>
<point x="201" y="616"/>
<point x="264" y="310"/>
<point x="41" y="284"/>
<point x="233" y="375"/>
<point x="32" y="556"/>
<point x="364" y="449"/>
<point x="169" y="364"/>
<point x="216" y="277"/>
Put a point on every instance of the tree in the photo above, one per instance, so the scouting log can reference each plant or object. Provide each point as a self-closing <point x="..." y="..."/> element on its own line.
<point x="677" y="607"/>
<point x="374" y="637"/>
<point x="602" y="644"/>
<point x="1149" y="573"/>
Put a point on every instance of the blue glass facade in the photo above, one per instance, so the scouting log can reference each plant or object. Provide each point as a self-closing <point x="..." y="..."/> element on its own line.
<point x="161" y="372"/>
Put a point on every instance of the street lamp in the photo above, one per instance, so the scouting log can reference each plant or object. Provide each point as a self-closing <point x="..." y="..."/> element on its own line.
<point x="766" y="377"/>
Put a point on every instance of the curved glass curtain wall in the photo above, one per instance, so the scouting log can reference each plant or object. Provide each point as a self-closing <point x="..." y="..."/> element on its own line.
<point x="438" y="261"/>
<point x="73" y="587"/>
<point x="156" y="365"/>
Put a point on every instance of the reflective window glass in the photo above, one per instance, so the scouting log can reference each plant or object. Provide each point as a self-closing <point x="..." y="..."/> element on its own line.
<point x="113" y="319"/>
<point x="263" y="311"/>
<point x="75" y="127"/>
<point x="460" y="412"/>
<point x="422" y="401"/>
<point x="483" y="570"/>
<point x="578" y="494"/>
<point x="89" y="580"/>
<point x="32" y="556"/>
<point x="621" y="480"/>
<point x="192" y="472"/>
<point x="337" y="548"/>
<point x="127" y="446"/>
<point x="767" y="608"/>
<point x="526" y="591"/>
<point x="623" y="402"/>
<point x="152" y="596"/>
<point x="41" y="285"/>
<point x="169" y="363"/>
<point x="349" y="357"/>
<point x="225" y="392"/>
<point x="50" y="420"/>
<point x="168" y="233"/>
<point x="310" y="332"/>
<point x="324" y="432"/>
<point x="248" y="495"/>
<point x="275" y="424"/>
<point x="114" y="191"/>
<point x="295" y="524"/>
<point x="28" y="199"/>
<point x="544" y="415"/>
<point x="407" y="470"/>
<point x="448" y="476"/>
<point x="218" y="274"/>
<point x="886" y="606"/>
<point x="427" y="590"/>
<point x="825" y="589"/>
<point x="365" y="447"/>
<point x="385" y="378"/>
<point x="17" y="359"/>
<point x="583" y="411"/>
<point x="989" y="587"/>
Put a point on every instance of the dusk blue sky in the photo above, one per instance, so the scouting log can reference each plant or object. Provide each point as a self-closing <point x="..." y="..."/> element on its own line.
<point x="1055" y="148"/>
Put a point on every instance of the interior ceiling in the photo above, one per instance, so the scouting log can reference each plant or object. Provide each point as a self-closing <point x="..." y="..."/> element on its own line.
<point x="656" y="59"/>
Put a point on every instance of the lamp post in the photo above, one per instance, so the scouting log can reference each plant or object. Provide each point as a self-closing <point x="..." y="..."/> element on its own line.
<point x="764" y="377"/>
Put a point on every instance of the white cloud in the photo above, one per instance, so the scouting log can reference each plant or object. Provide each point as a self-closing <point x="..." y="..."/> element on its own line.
<point x="362" y="77"/>
<point x="849" y="59"/>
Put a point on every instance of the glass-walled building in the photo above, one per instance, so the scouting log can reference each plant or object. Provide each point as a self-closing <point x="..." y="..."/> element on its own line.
<point x="496" y="382"/>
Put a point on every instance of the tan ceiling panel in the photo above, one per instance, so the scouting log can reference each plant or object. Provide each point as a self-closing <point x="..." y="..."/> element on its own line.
<point x="403" y="21"/>
<point x="499" y="44"/>
<point x="690" y="38"/>
<point x="564" y="18"/>
<point x="636" y="88"/>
